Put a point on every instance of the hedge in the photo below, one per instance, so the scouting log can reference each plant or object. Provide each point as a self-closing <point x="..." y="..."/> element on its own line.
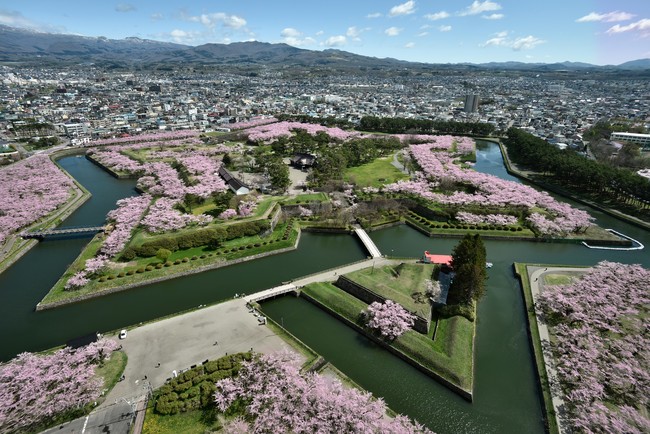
<point x="193" y="389"/>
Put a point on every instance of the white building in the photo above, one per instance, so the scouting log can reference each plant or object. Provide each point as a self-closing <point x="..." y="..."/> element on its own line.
<point x="636" y="138"/>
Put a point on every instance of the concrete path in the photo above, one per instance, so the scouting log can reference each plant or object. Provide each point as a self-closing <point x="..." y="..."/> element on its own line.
<point x="157" y="349"/>
<point x="536" y="278"/>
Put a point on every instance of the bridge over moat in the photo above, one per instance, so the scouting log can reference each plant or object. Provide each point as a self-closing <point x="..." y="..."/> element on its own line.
<point x="44" y="233"/>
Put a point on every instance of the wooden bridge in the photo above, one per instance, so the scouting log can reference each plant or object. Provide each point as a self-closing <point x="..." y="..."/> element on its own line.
<point x="44" y="233"/>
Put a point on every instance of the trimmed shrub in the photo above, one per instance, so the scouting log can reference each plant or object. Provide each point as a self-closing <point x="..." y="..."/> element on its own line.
<point x="110" y="277"/>
<point x="121" y="274"/>
<point x="130" y="273"/>
<point x="159" y="266"/>
<point x="103" y="279"/>
<point x="140" y="270"/>
<point x="149" y="267"/>
<point x="176" y="262"/>
<point x="186" y="259"/>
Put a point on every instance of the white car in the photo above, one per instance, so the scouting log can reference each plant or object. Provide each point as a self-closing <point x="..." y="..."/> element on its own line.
<point x="123" y="334"/>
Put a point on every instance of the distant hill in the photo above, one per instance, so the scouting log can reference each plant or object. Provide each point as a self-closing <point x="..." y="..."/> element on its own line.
<point x="31" y="47"/>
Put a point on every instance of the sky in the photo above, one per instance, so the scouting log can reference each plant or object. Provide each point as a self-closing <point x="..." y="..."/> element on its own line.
<point x="434" y="31"/>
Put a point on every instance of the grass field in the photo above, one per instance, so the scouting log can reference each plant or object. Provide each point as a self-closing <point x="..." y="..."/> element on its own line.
<point x="403" y="283"/>
<point x="451" y="356"/>
<point x="190" y="422"/>
<point x="306" y="198"/>
<point x="375" y="174"/>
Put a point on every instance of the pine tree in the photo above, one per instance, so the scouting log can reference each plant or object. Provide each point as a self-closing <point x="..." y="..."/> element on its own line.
<point x="468" y="261"/>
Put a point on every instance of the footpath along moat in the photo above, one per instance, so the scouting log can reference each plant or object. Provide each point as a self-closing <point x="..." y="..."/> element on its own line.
<point x="506" y="398"/>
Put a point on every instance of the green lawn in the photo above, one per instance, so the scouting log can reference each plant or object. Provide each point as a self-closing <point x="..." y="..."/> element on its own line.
<point x="403" y="283"/>
<point x="379" y="172"/>
<point x="306" y="198"/>
<point x="184" y="257"/>
<point x="450" y="356"/>
<point x="557" y="279"/>
<point x="189" y="422"/>
<point x="112" y="369"/>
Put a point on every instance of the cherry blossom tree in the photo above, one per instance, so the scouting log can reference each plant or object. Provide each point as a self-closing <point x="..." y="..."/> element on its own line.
<point x="29" y="190"/>
<point x="390" y="319"/>
<point x="279" y="398"/>
<point x="601" y="347"/>
<point x="36" y="388"/>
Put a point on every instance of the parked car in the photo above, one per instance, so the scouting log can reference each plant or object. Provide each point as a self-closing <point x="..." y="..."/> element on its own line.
<point x="123" y="334"/>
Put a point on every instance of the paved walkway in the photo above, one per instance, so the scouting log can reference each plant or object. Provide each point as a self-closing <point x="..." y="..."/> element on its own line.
<point x="536" y="278"/>
<point x="157" y="349"/>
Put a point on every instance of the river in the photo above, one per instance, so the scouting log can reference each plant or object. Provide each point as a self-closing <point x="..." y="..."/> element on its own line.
<point x="506" y="396"/>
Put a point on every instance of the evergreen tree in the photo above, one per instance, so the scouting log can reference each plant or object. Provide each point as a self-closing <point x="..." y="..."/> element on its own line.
<point x="468" y="261"/>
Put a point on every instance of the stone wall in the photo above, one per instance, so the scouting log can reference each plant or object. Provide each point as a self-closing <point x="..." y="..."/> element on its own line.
<point x="368" y="296"/>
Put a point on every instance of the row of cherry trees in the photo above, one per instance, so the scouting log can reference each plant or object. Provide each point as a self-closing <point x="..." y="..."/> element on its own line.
<point x="602" y="347"/>
<point x="277" y="397"/>
<point x="439" y="167"/>
<point x="269" y="132"/>
<point x="29" y="190"/>
<point x="34" y="389"/>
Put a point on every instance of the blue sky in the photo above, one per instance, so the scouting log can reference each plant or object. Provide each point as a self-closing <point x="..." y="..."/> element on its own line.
<point x="434" y="31"/>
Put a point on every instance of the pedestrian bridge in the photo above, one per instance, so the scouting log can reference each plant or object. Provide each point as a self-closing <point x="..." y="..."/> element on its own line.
<point x="368" y="243"/>
<point x="62" y="231"/>
<point x="270" y="293"/>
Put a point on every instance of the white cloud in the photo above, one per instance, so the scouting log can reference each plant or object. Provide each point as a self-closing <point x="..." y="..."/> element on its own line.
<point x="609" y="17"/>
<point x="641" y="25"/>
<point x="478" y="7"/>
<point x="421" y="34"/>
<point x="355" y="33"/>
<point x="374" y="15"/>
<point x="437" y="16"/>
<point x="211" y="20"/>
<point x="501" y="39"/>
<point x="184" y="37"/>
<point x="295" y="37"/>
<point x="290" y="32"/>
<point x="444" y="28"/>
<point x="157" y="16"/>
<point x="402" y="9"/>
<point x="336" y="41"/>
<point x="409" y="45"/>
<point x="393" y="31"/>
<point x="16" y="19"/>
<point x="320" y="32"/>
<point x="124" y="7"/>
<point x="526" y="43"/>
<point x="493" y="16"/>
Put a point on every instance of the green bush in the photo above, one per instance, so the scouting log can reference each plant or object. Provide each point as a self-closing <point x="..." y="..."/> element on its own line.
<point x="121" y="274"/>
<point x="130" y="273"/>
<point x="194" y="258"/>
<point x="159" y="266"/>
<point x="128" y="254"/>
<point x="149" y="267"/>
<point x="185" y="259"/>
<point x="182" y="387"/>
<point x="140" y="270"/>
<point x="110" y="277"/>
<point x="176" y="262"/>
<point x="103" y="279"/>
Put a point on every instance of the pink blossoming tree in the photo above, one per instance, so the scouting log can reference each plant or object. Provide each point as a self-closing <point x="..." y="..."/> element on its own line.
<point x="390" y="319"/>
<point x="279" y="398"/>
<point x="36" y="388"/>
<point x="601" y="347"/>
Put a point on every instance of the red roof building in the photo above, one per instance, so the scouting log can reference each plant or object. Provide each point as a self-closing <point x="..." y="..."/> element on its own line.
<point x="431" y="258"/>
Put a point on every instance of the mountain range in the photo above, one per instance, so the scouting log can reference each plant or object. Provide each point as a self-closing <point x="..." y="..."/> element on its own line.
<point x="30" y="47"/>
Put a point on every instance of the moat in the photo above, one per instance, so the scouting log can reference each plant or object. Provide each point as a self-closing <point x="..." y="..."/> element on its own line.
<point x="506" y="398"/>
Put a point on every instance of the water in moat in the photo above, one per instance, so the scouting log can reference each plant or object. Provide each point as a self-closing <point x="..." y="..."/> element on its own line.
<point x="505" y="392"/>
